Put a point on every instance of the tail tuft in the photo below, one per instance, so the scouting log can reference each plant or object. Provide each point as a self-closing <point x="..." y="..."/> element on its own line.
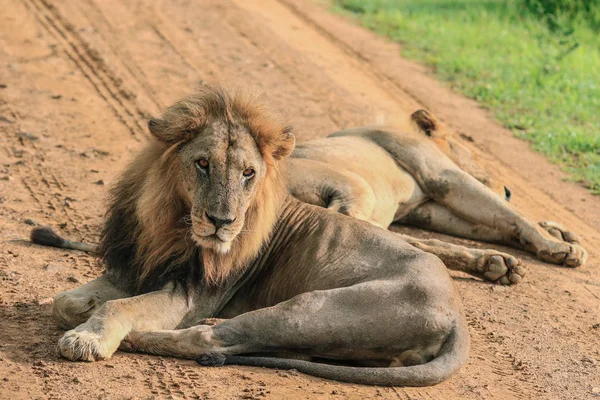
<point x="425" y="121"/>
<point x="46" y="237"/>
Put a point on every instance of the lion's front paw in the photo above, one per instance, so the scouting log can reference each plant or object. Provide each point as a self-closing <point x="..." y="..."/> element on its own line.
<point x="83" y="345"/>
<point x="501" y="268"/>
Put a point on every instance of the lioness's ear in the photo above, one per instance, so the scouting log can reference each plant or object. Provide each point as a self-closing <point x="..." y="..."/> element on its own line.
<point x="426" y="122"/>
<point x="286" y="144"/>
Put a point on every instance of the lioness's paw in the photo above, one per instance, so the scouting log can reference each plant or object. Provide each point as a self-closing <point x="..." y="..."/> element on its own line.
<point x="576" y="257"/>
<point x="501" y="268"/>
<point x="567" y="254"/>
<point x="83" y="345"/>
<point x="559" y="231"/>
<point x="573" y="255"/>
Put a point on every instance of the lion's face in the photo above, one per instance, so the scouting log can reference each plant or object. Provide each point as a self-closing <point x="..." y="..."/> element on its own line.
<point x="222" y="168"/>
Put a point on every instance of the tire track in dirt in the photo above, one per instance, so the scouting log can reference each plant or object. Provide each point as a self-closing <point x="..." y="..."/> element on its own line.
<point x="107" y="34"/>
<point x="90" y="65"/>
<point x="40" y="180"/>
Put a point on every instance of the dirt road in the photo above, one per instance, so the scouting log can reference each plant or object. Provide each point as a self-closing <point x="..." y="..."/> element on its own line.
<point x="77" y="82"/>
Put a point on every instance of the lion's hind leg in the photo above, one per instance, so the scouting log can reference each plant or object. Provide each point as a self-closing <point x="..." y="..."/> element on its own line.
<point x="74" y="307"/>
<point x="377" y="320"/>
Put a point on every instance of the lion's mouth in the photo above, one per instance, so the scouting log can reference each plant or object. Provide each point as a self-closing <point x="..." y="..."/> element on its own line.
<point x="211" y="236"/>
<point x="216" y="238"/>
<point x="213" y="241"/>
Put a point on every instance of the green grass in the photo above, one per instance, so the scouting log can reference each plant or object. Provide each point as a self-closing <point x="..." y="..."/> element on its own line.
<point x="542" y="83"/>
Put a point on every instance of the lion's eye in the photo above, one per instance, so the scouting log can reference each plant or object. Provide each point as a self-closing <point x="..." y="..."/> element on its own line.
<point x="248" y="172"/>
<point x="202" y="164"/>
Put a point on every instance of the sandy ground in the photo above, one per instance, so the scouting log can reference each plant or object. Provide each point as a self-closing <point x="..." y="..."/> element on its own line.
<point x="77" y="82"/>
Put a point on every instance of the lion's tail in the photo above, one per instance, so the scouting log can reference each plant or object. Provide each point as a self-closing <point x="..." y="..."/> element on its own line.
<point x="47" y="237"/>
<point x="453" y="354"/>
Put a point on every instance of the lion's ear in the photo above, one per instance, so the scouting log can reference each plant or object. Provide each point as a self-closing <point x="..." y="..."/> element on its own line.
<point x="159" y="129"/>
<point x="286" y="144"/>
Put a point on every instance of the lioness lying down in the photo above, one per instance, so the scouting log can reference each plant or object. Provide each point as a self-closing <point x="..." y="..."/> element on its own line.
<point x="429" y="180"/>
<point x="200" y="225"/>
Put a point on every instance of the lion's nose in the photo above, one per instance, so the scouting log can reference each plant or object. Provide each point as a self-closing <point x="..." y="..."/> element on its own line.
<point x="218" y="222"/>
<point x="507" y="193"/>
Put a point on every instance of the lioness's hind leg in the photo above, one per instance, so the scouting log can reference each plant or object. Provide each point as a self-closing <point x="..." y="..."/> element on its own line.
<point x="338" y="190"/>
<point x="465" y="196"/>
<point x="490" y="265"/>
<point x="436" y="217"/>
<point x="74" y="307"/>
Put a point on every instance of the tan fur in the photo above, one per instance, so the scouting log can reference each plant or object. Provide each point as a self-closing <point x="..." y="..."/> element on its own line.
<point x="462" y="155"/>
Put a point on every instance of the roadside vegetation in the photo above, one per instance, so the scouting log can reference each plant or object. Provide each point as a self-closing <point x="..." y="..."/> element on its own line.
<point x="534" y="63"/>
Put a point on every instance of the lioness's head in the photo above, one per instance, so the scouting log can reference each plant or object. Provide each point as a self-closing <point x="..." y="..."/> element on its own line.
<point x="227" y="146"/>
<point x="462" y="156"/>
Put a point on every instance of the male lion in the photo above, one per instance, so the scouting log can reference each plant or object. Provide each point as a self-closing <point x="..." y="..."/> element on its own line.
<point x="200" y="225"/>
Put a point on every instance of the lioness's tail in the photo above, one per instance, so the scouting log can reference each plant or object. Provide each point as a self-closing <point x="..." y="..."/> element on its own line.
<point x="453" y="354"/>
<point x="47" y="237"/>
